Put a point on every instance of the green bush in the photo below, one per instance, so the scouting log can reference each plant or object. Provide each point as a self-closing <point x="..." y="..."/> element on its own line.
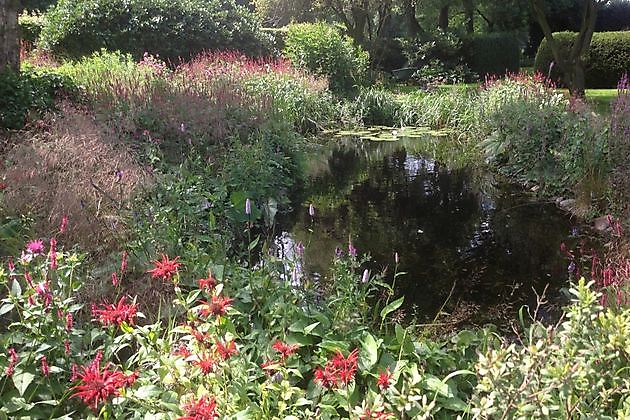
<point x="606" y="62"/>
<point x="31" y="25"/>
<point x="324" y="50"/>
<point x="172" y="29"/>
<point x="30" y="91"/>
<point x="579" y="369"/>
<point x="493" y="53"/>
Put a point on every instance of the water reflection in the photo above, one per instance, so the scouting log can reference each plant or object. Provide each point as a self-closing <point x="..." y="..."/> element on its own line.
<point x="451" y="225"/>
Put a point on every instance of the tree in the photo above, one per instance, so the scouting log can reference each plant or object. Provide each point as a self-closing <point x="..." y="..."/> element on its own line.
<point x="571" y="63"/>
<point x="9" y="35"/>
<point x="364" y="19"/>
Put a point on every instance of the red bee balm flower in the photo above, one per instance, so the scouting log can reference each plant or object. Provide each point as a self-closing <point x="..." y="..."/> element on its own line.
<point x="217" y="307"/>
<point x="225" y="351"/>
<point x="206" y="363"/>
<point x="201" y="409"/>
<point x="339" y="369"/>
<point x="284" y="349"/>
<point x="98" y="385"/>
<point x="111" y="314"/>
<point x="164" y="269"/>
<point x="384" y="380"/>
<point x="208" y="283"/>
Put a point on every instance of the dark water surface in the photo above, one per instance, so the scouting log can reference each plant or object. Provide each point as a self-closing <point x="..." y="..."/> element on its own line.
<point x="455" y="227"/>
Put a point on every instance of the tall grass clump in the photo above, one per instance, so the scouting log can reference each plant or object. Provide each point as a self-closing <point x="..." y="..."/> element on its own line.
<point x="454" y="109"/>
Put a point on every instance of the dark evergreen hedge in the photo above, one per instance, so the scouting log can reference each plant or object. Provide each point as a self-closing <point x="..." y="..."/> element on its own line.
<point x="493" y="53"/>
<point x="607" y="60"/>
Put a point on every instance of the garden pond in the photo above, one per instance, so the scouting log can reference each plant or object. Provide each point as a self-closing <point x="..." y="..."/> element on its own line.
<point x="471" y="244"/>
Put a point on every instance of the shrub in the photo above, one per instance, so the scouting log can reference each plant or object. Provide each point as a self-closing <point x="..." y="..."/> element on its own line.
<point x="324" y="50"/>
<point x="620" y="147"/>
<point x="171" y="29"/>
<point x="31" y="25"/>
<point x="537" y="135"/>
<point x="580" y="367"/>
<point x="493" y="53"/>
<point x="28" y="94"/>
<point x="607" y="61"/>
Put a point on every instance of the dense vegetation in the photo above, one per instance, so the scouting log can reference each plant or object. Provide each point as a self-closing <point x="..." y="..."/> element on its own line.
<point x="607" y="61"/>
<point x="139" y="199"/>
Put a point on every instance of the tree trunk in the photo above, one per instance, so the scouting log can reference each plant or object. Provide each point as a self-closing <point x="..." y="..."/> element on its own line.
<point x="9" y="35"/>
<point x="443" y="19"/>
<point x="469" y="11"/>
<point x="413" y="27"/>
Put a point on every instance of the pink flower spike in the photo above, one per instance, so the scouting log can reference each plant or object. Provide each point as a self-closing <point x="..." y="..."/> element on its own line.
<point x="64" y="224"/>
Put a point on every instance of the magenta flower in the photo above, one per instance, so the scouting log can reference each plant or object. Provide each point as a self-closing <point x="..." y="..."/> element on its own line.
<point x="35" y="247"/>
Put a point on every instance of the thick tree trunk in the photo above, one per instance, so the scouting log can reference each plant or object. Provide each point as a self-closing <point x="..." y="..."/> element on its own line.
<point x="571" y="63"/>
<point x="413" y="27"/>
<point x="443" y="19"/>
<point x="469" y="11"/>
<point x="9" y="35"/>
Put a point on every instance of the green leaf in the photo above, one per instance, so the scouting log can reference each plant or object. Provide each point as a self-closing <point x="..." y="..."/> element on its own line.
<point x="148" y="391"/>
<point x="7" y="307"/>
<point x="309" y="329"/>
<point x="16" y="289"/>
<point x="369" y="354"/>
<point x="392" y="307"/>
<point x="22" y="380"/>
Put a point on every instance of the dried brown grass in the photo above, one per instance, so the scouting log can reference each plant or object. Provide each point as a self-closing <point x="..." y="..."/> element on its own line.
<point x="79" y="168"/>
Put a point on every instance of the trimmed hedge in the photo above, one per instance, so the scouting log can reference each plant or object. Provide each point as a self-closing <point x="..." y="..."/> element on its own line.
<point x="607" y="60"/>
<point x="493" y="53"/>
<point x="172" y="29"/>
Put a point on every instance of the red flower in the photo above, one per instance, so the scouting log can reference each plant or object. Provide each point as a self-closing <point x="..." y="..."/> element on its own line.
<point x="114" y="279"/>
<point x="199" y="336"/>
<point x="164" y="269"/>
<point x="69" y="321"/>
<point x="123" y="263"/>
<point x="201" y="409"/>
<point x="182" y="351"/>
<point x="384" y="380"/>
<point x="326" y="377"/>
<point x="66" y="346"/>
<point x="227" y="350"/>
<point x="206" y="363"/>
<point x="284" y="349"/>
<point x="208" y="283"/>
<point x="378" y="414"/>
<point x="346" y="367"/>
<point x="217" y="307"/>
<point x="64" y="224"/>
<point x="339" y="369"/>
<point x="111" y="314"/>
<point x="98" y="385"/>
<point x="45" y="367"/>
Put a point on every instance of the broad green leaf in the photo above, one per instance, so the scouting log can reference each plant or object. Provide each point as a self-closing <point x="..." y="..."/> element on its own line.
<point x="7" y="307"/>
<point x="309" y="329"/>
<point x="16" y="289"/>
<point x="148" y="391"/>
<point x="369" y="354"/>
<point x="392" y="307"/>
<point x="22" y="380"/>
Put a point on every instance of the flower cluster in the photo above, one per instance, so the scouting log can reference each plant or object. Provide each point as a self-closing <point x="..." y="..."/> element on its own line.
<point x="115" y="314"/>
<point x="98" y="385"/>
<point x="165" y="269"/>
<point x="338" y="371"/>
<point x="201" y="409"/>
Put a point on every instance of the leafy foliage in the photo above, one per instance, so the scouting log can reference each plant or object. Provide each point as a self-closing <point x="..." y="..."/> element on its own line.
<point x="29" y="92"/>
<point x="606" y="62"/>
<point x="494" y="53"/>
<point x="172" y="30"/>
<point x="322" y="49"/>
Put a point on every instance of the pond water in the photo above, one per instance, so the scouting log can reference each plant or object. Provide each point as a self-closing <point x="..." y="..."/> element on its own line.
<point x="459" y="230"/>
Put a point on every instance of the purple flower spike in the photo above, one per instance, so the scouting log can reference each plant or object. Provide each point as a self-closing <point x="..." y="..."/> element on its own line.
<point x="338" y="252"/>
<point x="311" y="210"/>
<point x="248" y="207"/>
<point x="366" y="276"/>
